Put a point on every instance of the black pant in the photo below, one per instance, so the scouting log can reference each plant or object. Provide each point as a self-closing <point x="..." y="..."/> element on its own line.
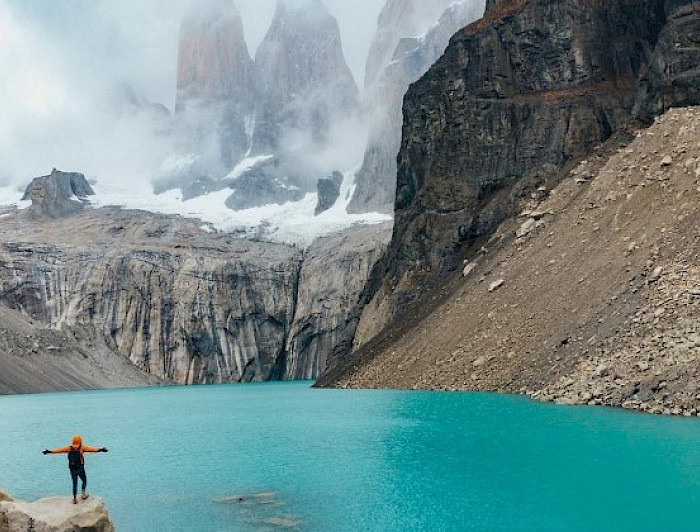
<point x="74" y="474"/>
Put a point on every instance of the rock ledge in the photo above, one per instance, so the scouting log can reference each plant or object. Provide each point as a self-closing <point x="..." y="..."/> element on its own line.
<point x="55" y="514"/>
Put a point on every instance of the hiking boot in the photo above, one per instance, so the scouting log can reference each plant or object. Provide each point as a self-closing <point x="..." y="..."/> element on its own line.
<point x="75" y="500"/>
<point x="84" y="496"/>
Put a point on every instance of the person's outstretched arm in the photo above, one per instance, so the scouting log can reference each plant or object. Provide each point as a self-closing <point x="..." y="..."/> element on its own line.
<point x="87" y="449"/>
<point x="57" y="451"/>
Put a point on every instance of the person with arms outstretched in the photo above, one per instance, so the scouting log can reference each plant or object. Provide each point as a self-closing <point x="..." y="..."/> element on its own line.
<point x="76" y="463"/>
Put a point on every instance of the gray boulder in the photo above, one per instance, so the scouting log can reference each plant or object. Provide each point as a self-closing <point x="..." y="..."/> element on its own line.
<point x="57" y="514"/>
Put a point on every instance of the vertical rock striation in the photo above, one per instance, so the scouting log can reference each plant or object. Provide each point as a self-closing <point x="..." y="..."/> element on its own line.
<point x="180" y="303"/>
<point x="332" y="277"/>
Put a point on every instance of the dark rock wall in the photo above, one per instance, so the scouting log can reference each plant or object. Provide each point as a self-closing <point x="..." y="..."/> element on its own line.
<point x="532" y="85"/>
<point x="672" y="78"/>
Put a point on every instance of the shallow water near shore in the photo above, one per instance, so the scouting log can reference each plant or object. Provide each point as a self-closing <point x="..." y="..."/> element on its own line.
<point x="286" y="457"/>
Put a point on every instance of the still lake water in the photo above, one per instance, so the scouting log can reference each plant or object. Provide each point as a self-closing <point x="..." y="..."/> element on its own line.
<point x="325" y="460"/>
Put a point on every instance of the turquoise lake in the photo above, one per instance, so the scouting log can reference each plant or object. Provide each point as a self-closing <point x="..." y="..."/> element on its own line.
<point x="324" y="460"/>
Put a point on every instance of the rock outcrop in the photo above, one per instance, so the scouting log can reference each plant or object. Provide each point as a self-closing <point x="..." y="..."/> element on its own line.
<point x="215" y="90"/>
<point x="328" y="192"/>
<point x="58" y="194"/>
<point x="303" y="82"/>
<point x="269" y="182"/>
<point x="410" y="38"/>
<point x="672" y="77"/>
<point x="57" y="514"/>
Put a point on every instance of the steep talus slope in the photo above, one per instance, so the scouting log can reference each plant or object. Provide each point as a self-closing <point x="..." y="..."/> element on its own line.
<point x="509" y="102"/>
<point x="591" y="295"/>
<point x="181" y="303"/>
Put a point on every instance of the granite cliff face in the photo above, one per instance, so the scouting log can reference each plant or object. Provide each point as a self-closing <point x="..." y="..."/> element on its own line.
<point x="399" y="19"/>
<point x="515" y="96"/>
<point x="215" y="89"/>
<point x="410" y="38"/>
<point x="180" y="303"/>
<point x="302" y="80"/>
<point x="286" y="105"/>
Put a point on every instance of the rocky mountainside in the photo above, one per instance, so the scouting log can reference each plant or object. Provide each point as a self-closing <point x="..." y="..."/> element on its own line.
<point x="184" y="304"/>
<point x="590" y="295"/>
<point x="531" y="88"/>
<point x="410" y="37"/>
<point x="56" y="514"/>
<point x="279" y="110"/>
<point x="399" y="19"/>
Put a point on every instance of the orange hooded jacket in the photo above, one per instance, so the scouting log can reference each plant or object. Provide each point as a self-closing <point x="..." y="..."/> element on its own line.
<point x="77" y="442"/>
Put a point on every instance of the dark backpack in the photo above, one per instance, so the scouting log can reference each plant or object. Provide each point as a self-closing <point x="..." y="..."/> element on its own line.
<point x="74" y="461"/>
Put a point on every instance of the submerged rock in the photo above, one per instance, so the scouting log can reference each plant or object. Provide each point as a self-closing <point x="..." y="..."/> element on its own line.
<point x="56" y="514"/>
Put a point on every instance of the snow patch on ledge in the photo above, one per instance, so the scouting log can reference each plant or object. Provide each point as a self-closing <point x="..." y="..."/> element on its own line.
<point x="290" y="223"/>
